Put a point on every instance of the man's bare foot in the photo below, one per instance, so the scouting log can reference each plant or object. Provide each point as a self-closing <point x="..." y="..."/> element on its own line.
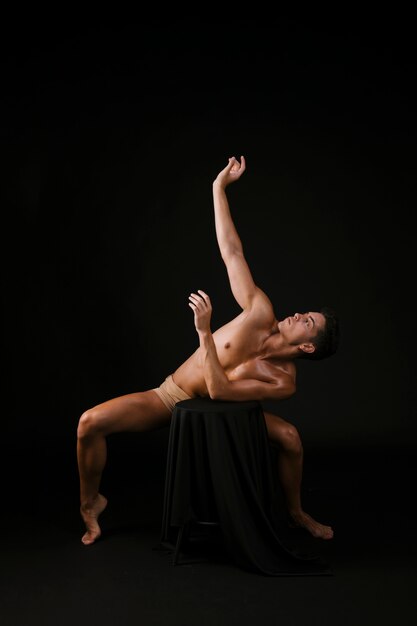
<point x="90" y="514"/>
<point x="303" y="520"/>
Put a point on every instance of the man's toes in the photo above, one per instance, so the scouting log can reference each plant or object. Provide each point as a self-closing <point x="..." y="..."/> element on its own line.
<point x="89" y="538"/>
<point x="327" y="533"/>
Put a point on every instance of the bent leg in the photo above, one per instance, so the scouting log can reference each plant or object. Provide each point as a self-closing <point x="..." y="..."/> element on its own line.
<point x="290" y="470"/>
<point x="135" y="412"/>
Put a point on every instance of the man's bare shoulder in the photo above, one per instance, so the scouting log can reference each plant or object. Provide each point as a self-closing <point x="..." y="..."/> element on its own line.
<point x="280" y="373"/>
<point x="281" y="370"/>
<point x="284" y="378"/>
<point x="286" y="368"/>
<point x="261" y="306"/>
<point x="256" y="379"/>
<point x="265" y="370"/>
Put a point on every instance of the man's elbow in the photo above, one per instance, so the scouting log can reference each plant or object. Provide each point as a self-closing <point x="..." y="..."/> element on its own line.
<point x="217" y="392"/>
<point x="231" y="250"/>
<point x="284" y="392"/>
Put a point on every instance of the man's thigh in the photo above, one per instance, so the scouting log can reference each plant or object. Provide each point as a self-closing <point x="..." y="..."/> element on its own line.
<point x="140" y="412"/>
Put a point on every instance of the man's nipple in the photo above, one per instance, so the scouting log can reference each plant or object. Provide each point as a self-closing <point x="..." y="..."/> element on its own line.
<point x="227" y="345"/>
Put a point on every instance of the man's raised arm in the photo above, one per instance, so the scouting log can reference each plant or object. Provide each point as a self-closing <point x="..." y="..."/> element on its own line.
<point x="241" y="282"/>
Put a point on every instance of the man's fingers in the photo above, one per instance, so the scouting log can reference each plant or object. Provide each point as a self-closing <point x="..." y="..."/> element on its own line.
<point x="230" y="165"/>
<point x="195" y="298"/>
<point x="200" y="298"/>
<point x="236" y="168"/>
<point x="204" y="295"/>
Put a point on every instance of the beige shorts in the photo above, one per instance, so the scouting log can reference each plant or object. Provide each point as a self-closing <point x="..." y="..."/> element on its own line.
<point x="170" y="393"/>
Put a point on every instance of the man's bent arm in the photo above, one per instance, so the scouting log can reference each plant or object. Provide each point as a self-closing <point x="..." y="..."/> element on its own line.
<point x="214" y="374"/>
<point x="218" y="385"/>
<point x="221" y="388"/>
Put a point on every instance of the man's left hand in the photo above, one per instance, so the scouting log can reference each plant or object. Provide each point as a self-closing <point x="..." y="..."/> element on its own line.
<point x="201" y="305"/>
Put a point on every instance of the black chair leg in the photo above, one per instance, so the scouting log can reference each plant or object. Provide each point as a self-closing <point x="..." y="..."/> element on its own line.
<point x="178" y="545"/>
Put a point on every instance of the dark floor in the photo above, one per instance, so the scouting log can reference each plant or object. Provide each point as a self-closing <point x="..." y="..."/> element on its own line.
<point x="48" y="577"/>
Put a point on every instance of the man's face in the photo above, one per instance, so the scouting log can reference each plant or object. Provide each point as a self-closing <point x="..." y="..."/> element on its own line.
<point x="302" y="328"/>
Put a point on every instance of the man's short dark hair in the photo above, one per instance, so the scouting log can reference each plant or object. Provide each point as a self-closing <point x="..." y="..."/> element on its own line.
<point x="327" y="340"/>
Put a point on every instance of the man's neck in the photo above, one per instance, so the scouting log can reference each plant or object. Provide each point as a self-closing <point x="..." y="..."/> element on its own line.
<point x="275" y="348"/>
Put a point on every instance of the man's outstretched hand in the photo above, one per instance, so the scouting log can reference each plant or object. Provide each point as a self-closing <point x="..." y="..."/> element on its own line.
<point x="201" y="305"/>
<point x="232" y="172"/>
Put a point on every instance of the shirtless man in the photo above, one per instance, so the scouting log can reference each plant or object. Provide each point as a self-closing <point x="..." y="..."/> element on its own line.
<point x="250" y="358"/>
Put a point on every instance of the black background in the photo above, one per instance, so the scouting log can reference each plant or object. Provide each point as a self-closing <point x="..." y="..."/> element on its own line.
<point x="112" y="132"/>
<point x="113" y="127"/>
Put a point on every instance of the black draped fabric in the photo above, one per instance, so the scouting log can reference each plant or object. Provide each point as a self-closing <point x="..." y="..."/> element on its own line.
<point x="219" y="468"/>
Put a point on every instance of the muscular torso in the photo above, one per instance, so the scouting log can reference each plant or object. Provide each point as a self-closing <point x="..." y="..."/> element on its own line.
<point x="245" y="347"/>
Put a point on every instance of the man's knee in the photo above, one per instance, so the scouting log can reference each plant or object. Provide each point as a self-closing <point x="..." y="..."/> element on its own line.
<point x="88" y="424"/>
<point x="287" y="437"/>
<point x="291" y="441"/>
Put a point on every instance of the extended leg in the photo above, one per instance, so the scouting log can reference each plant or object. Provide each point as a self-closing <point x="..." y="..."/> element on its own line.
<point x="290" y="469"/>
<point x="133" y="412"/>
